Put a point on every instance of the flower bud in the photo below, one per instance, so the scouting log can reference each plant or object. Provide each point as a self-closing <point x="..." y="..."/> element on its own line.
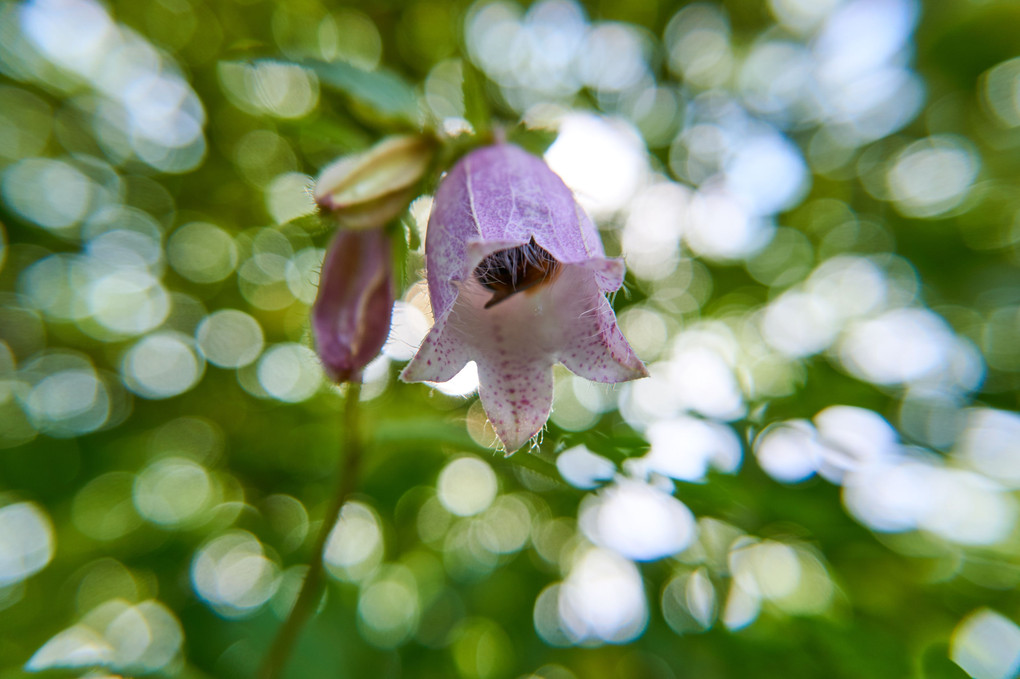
<point x="368" y="189"/>
<point x="351" y="315"/>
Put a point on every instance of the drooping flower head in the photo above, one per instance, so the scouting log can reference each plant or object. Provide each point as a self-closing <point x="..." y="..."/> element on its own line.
<point x="517" y="277"/>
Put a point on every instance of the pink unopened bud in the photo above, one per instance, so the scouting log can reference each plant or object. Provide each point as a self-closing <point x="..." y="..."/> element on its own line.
<point x="351" y="315"/>
<point x="368" y="189"/>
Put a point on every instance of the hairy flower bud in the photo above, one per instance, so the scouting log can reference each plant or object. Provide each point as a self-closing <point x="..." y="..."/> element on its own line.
<point x="368" y="189"/>
<point x="351" y="315"/>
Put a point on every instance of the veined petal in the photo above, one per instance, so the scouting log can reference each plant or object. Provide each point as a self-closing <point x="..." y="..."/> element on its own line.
<point x="590" y="343"/>
<point x="502" y="195"/>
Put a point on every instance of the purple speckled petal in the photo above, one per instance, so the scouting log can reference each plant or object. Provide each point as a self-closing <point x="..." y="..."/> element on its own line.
<point x="440" y="357"/>
<point x="517" y="397"/>
<point x="516" y="342"/>
<point x="608" y="273"/>
<point x="598" y="350"/>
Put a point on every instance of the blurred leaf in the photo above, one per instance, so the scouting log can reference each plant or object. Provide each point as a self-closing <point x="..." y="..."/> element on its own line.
<point x="381" y="90"/>
<point x="617" y="447"/>
<point x="400" y="249"/>
<point x="476" y="105"/>
<point x="936" y="664"/>
<point x="974" y="42"/>
<point x="333" y="132"/>
<point x="402" y="431"/>
<point x="534" y="140"/>
<point x="314" y="223"/>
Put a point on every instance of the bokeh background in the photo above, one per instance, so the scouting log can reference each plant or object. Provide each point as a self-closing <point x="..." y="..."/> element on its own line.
<point x="817" y="201"/>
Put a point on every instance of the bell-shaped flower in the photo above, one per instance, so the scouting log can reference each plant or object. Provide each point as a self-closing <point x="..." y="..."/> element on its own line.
<point x="517" y="278"/>
<point x="351" y="314"/>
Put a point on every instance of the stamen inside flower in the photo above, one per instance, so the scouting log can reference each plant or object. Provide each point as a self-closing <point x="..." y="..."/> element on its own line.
<point x="514" y="270"/>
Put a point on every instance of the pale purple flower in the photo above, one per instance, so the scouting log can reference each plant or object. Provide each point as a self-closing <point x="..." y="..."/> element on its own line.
<point x="351" y="314"/>
<point x="517" y="278"/>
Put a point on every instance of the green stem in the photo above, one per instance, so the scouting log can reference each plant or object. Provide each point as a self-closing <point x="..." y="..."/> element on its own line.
<point x="308" y="597"/>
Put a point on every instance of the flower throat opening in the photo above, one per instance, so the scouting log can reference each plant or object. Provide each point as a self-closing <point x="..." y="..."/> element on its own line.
<point x="514" y="270"/>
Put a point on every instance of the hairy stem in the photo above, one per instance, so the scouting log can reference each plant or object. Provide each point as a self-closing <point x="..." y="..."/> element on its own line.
<point x="311" y="588"/>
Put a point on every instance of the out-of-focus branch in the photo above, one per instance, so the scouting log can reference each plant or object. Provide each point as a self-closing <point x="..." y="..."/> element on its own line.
<point x="311" y="589"/>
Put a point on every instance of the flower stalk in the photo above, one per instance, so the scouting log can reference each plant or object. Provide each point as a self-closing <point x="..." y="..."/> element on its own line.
<point x="311" y="588"/>
<point x="351" y="319"/>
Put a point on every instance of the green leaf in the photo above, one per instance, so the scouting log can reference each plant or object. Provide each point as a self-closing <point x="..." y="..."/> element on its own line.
<point x="399" y="252"/>
<point x="383" y="91"/>
<point x="392" y="432"/>
<point x="476" y="104"/>
<point x="314" y="223"/>
<point x="535" y="141"/>
<point x="935" y="664"/>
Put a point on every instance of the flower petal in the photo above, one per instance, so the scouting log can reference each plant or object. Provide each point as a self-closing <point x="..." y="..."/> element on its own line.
<point x="517" y="397"/>
<point x="514" y="348"/>
<point x="608" y="272"/>
<point x="590" y="343"/>
<point x="441" y="356"/>
<point x="598" y="350"/>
